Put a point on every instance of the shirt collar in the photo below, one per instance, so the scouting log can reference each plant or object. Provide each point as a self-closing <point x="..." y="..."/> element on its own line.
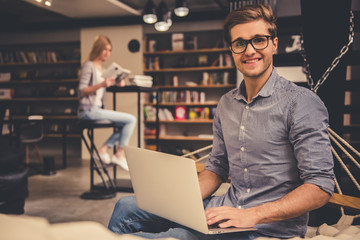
<point x="265" y="91"/>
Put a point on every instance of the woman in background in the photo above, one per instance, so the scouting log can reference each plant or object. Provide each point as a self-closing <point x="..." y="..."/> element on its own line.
<point x="92" y="91"/>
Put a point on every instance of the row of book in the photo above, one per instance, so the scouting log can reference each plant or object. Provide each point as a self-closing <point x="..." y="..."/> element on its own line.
<point x="214" y="78"/>
<point x="180" y="42"/>
<point x="41" y="73"/>
<point x="185" y="96"/>
<point x="45" y="108"/>
<point x="223" y="60"/>
<point x="29" y="57"/>
<point x="180" y="113"/>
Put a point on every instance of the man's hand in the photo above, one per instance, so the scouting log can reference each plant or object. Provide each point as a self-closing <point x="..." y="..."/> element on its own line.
<point x="231" y="217"/>
<point x="299" y="201"/>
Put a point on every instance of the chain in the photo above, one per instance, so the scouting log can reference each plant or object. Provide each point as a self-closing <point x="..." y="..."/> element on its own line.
<point x="334" y="63"/>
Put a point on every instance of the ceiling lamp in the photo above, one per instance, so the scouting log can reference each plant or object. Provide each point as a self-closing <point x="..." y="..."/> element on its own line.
<point x="39" y="1"/>
<point x="164" y="17"/>
<point x="181" y="8"/>
<point x="48" y="3"/>
<point x="149" y="13"/>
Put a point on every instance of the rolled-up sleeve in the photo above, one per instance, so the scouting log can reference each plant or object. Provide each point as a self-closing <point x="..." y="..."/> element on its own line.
<point x="309" y="136"/>
<point x="218" y="160"/>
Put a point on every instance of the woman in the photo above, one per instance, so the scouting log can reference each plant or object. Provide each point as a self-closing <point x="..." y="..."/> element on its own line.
<point x="92" y="89"/>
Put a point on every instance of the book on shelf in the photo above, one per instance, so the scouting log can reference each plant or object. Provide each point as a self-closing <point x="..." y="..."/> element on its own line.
<point x="152" y="45"/>
<point x="180" y="113"/>
<point x="165" y="115"/>
<point x="185" y="96"/>
<point x="150" y="131"/>
<point x="203" y="60"/>
<point x="228" y="60"/>
<point x="153" y="63"/>
<point x="149" y="113"/>
<point x="5" y="76"/>
<point x="168" y="115"/>
<point x="162" y="130"/>
<point x="6" y="93"/>
<point x="191" y="42"/>
<point x="206" y="136"/>
<point x="25" y="57"/>
<point x="177" y="41"/>
<point x="199" y="113"/>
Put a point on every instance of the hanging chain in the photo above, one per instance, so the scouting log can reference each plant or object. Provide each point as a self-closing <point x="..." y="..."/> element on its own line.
<point x="334" y="63"/>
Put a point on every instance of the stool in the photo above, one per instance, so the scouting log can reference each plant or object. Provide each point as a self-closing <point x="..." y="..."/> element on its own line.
<point x="95" y="163"/>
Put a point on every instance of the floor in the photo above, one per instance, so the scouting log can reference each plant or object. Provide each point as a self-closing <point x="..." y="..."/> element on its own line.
<point x="57" y="197"/>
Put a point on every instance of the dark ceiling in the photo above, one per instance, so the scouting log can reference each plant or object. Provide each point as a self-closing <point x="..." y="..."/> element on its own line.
<point x="18" y="15"/>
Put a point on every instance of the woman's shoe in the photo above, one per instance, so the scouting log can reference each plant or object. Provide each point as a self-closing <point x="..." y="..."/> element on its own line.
<point x="105" y="158"/>
<point x="121" y="162"/>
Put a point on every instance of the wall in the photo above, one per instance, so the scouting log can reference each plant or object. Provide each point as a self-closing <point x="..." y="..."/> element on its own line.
<point x="69" y="35"/>
<point x="126" y="102"/>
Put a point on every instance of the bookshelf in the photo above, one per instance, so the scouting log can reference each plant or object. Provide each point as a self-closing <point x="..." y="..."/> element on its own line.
<point x="42" y="79"/>
<point x="190" y="79"/>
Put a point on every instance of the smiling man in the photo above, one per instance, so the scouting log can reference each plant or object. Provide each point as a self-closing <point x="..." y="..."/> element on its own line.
<point x="270" y="138"/>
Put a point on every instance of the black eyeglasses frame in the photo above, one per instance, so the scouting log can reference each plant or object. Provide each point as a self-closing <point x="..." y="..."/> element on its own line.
<point x="250" y="41"/>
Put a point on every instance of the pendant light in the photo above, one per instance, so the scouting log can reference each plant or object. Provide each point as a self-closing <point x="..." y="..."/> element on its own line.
<point x="181" y="8"/>
<point x="149" y="13"/>
<point x="48" y="3"/>
<point x="164" y="17"/>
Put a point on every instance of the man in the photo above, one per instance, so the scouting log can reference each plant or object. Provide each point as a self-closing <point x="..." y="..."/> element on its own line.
<point x="270" y="138"/>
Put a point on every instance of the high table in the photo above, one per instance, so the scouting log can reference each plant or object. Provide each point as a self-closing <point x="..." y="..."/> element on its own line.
<point x="138" y="90"/>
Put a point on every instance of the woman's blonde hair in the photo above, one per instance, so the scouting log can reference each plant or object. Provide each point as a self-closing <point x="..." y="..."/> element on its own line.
<point x="98" y="46"/>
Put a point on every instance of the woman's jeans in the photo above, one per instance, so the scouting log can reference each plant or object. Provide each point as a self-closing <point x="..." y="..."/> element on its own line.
<point x="125" y="122"/>
<point x="128" y="218"/>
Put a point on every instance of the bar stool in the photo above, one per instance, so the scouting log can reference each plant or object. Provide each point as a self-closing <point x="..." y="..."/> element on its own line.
<point x="109" y="189"/>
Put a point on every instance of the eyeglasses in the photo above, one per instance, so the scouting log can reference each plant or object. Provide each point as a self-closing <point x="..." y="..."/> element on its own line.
<point x="258" y="43"/>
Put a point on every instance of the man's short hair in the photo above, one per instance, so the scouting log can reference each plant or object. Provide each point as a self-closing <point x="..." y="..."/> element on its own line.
<point x="248" y="14"/>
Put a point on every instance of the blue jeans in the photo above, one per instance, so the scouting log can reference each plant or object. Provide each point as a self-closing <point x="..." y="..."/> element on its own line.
<point x="125" y="122"/>
<point x="128" y="218"/>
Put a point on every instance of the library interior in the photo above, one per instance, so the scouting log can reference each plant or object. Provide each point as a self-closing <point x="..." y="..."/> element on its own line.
<point x="167" y="71"/>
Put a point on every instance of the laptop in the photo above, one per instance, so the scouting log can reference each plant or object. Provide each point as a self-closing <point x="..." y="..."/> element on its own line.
<point x="167" y="185"/>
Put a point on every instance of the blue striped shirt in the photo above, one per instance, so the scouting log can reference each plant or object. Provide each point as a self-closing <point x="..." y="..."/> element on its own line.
<point x="269" y="147"/>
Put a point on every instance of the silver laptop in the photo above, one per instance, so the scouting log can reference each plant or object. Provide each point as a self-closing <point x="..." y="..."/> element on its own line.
<point x="167" y="185"/>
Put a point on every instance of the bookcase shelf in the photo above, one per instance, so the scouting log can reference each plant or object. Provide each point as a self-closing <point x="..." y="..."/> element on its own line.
<point x="190" y="81"/>
<point x="187" y="51"/>
<point x="213" y="103"/>
<point x="189" y="69"/>
<point x="180" y="138"/>
<point x="39" y="63"/>
<point x="167" y="87"/>
<point x="191" y="121"/>
<point x="43" y="79"/>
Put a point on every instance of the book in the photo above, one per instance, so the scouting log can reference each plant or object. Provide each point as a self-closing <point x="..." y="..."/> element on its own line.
<point x="177" y="41"/>
<point x="5" y="76"/>
<point x="180" y="113"/>
<point x="116" y="71"/>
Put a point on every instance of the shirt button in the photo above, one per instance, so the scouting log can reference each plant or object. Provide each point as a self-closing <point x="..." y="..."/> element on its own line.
<point x="245" y="170"/>
<point x="239" y="207"/>
<point x="242" y="149"/>
<point x="248" y="190"/>
<point x="247" y="107"/>
<point x="242" y="127"/>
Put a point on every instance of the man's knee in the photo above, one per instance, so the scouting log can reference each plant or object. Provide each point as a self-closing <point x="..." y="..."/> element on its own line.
<point x="126" y="205"/>
<point x="122" y="210"/>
